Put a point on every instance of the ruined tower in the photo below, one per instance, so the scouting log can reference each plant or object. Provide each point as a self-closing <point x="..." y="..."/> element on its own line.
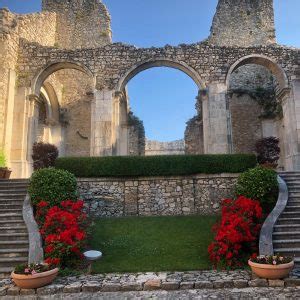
<point x="80" y="23"/>
<point x="243" y="23"/>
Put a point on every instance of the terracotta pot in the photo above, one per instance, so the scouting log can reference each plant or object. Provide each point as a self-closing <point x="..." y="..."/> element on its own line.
<point x="2" y="173"/>
<point x="34" y="281"/>
<point x="7" y="173"/>
<point x="270" y="271"/>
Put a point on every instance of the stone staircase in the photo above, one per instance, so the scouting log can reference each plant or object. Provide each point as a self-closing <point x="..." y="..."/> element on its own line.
<point x="286" y="234"/>
<point x="14" y="242"/>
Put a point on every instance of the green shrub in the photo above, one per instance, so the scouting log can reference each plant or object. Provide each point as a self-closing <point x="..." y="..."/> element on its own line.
<point x="259" y="184"/>
<point x="156" y="165"/>
<point x="2" y="159"/>
<point x="52" y="185"/>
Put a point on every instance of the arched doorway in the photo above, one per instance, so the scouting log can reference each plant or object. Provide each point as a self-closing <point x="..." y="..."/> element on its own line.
<point x="254" y="84"/>
<point x="143" y="80"/>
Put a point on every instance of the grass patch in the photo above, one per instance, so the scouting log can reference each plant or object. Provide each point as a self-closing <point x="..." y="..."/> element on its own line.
<point x="141" y="244"/>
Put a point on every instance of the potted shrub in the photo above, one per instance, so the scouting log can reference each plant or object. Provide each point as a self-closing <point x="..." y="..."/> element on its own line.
<point x="4" y="171"/>
<point x="34" y="275"/>
<point x="271" y="266"/>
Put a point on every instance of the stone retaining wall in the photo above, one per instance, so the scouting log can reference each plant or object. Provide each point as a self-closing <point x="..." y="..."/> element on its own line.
<point x="154" y="196"/>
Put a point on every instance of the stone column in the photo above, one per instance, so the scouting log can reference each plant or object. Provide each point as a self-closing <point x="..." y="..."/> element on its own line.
<point x="215" y="119"/>
<point x="290" y="100"/>
<point x="102" y="123"/>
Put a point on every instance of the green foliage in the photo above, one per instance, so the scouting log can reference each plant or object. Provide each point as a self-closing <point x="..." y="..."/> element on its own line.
<point x="122" y="166"/>
<point x="2" y="159"/>
<point x="259" y="184"/>
<point x="266" y="98"/>
<point x="146" y="244"/>
<point x="52" y="185"/>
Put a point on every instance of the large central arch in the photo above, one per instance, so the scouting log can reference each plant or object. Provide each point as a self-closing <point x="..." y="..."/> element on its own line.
<point x="159" y="62"/>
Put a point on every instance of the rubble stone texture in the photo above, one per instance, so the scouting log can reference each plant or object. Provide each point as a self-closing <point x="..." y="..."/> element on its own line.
<point x="157" y="196"/>
<point x="88" y="109"/>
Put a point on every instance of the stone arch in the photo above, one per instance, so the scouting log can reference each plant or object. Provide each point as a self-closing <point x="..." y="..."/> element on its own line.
<point x="50" y="96"/>
<point x="264" y="61"/>
<point x="159" y="62"/>
<point x="56" y="66"/>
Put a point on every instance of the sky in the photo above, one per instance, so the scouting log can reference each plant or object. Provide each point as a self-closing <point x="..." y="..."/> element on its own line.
<point x="164" y="98"/>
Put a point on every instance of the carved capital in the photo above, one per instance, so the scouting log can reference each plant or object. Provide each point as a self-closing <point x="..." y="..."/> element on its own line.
<point x="33" y="98"/>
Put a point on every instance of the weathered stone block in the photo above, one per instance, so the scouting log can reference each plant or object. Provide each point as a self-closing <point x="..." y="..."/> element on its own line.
<point x="110" y="287"/>
<point x="91" y="287"/>
<point x="188" y="285"/>
<point x="27" y="292"/>
<point x="73" y="288"/>
<point x="152" y="284"/>
<point x="203" y="285"/>
<point x="276" y="283"/>
<point x="258" y="283"/>
<point x="13" y="291"/>
<point x="170" y="285"/>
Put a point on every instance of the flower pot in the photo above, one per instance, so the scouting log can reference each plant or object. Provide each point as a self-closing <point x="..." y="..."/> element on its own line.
<point x="271" y="271"/>
<point x="34" y="281"/>
<point x="2" y="173"/>
<point x="7" y="173"/>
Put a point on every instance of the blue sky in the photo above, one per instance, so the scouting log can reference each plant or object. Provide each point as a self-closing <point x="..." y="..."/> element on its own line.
<point x="164" y="98"/>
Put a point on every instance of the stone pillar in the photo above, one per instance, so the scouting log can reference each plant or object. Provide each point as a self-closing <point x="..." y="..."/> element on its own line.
<point x="22" y="135"/>
<point x="215" y="119"/>
<point x="102" y="123"/>
<point x="290" y="100"/>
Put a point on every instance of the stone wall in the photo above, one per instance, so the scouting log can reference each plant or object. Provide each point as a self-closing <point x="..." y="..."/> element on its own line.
<point x="246" y="112"/>
<point x="164" y="148"/>
<point x="136" y="135"/>
<point x="243" y="23"/>
<point x="154" y="196"/>
<point x="193" y="136"/>
<point x="80" y="24"/>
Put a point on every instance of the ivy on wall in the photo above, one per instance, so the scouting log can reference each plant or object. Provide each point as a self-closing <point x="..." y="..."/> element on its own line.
<point x="265" y="97"/>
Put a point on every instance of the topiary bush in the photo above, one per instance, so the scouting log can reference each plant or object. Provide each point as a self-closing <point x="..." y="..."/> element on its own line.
<point x="259" y="184"/>
<point x="44" y="155"/>
<point x="53" y="186"/>
<point x="167" y="165"/>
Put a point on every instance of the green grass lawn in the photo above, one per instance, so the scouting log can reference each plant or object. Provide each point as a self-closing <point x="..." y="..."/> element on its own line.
<point x="140" y="244"/>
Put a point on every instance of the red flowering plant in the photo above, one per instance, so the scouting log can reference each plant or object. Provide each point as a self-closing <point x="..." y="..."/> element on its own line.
<point x="237" y="233"/>
<point x="63" y="230"/>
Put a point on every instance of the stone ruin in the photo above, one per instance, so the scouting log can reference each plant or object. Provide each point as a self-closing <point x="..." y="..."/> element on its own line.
<point x="63" y="81"/>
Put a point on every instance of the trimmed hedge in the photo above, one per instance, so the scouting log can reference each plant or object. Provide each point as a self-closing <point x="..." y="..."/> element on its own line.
<point x="126" y="166"/>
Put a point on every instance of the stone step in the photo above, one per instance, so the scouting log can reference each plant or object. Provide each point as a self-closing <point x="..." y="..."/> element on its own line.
<point x="11" y="196"/>
<point x="3" y="207"/>
<point x="10" y="223"/>
<point x="12" y="201"/>
<point x="11" y="210"/>
<point x="286" y="228"/>
<point x="12" y="261"/>
<point x="10" y="253"/>
<point x="5" y="272"/>
<point x="292" y="195"/>
<point x="14" y="190"/>
<point x="292" y="243"/>
<point x="13" y="244"/>
<point x="11" y="230"/>
<point x="7" y="236"/>
<point x="294" y="252"/>
<point x="11" y="216"/>
<point x="286" y="235"/>
<point x="292" y="208"/>
<point x="292" y="202"/>
<point x="292" y="214"/>
<point x="288" y="220"/>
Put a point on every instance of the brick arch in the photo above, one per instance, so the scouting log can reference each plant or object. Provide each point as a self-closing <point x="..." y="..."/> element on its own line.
<point x="56" y="66"/>
<point x="159" y="62"/>
<point x="264" y="61"/>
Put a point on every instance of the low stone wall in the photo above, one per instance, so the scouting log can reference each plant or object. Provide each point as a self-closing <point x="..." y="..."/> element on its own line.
<point x="156" y="196"/>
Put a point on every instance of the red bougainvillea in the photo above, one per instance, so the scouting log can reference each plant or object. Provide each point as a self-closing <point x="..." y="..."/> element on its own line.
<point x="237" y="233"/>
<point x="63" y="231"/>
